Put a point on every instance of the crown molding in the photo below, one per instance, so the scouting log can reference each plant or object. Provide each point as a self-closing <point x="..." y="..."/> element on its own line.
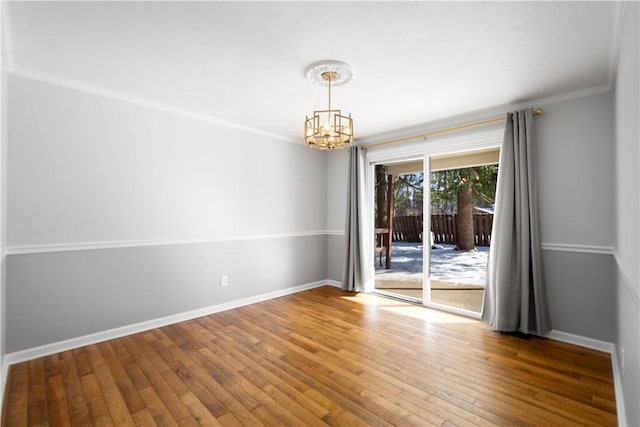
<point x="616" y="42"/>
<point x="72" y="84"/>
<point x="25" y="72"/>
<point x="483" y="114"/>
<point x="499" y="110"/>
<point x="7" y="35"/>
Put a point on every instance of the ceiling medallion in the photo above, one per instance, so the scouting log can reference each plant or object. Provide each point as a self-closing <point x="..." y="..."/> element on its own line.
<point x="328" y="129"/>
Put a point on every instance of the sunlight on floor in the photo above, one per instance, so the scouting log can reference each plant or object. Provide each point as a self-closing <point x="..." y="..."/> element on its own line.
<point x="374" y="303"/>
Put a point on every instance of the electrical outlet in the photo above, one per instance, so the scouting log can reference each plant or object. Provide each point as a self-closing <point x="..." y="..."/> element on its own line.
<point x="224" y="280"/>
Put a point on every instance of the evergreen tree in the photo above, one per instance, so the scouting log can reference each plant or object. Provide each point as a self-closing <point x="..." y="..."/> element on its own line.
<point x="408" y="194"/>
<point x="464" y="189"/>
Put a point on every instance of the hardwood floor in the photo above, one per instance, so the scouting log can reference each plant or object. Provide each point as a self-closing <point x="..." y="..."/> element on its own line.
<point x="320" y="357"/>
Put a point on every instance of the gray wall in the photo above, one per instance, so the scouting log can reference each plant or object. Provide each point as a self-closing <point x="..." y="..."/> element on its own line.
<point x="589" y="175"/>
<point x="3" y="186"/>
<point x="580" y="292"/>
<point x="575" y="142"/>
<point x="627" y="210"/>
<point x="86" y="168"/>
<point x="88" y="171"/>
<point x="337" y="179"/>
<point x="335" y="257"/>
<point x="176" y="201"/>
<point x="62" y="295"/>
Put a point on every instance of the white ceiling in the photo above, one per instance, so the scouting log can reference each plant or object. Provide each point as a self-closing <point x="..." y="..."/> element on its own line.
<point x="243" y="63"/>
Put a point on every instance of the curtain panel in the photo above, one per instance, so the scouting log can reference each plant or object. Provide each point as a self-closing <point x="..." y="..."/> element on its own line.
<point x="515" y="298"/>
<point x="357" y="273"/>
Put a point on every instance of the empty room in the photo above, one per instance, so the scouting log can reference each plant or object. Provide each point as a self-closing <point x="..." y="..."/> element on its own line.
<point x="319" y="213"/>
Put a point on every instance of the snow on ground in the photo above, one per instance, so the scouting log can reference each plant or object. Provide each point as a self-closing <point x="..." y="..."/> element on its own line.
<point x="447" y="264"/>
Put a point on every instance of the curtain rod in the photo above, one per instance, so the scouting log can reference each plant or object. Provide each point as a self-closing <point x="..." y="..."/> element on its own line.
<point x="536" y="112"/>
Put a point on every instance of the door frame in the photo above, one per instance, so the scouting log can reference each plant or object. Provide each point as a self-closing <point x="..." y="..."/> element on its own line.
<point x="490" y="137"/>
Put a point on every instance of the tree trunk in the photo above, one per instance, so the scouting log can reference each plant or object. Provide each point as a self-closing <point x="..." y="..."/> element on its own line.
<point x="464" y="221"/>
<point x="389" y="237"/>
<point x="381" y="196"/>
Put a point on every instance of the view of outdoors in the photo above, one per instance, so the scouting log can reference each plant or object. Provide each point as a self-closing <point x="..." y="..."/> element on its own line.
<point x="462" y="202"/>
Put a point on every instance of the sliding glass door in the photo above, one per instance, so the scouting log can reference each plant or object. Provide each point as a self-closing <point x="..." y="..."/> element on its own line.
<point x="431" y="222"/>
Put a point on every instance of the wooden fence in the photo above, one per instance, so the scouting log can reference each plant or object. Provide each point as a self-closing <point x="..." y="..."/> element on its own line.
<point x="409" y="228"/>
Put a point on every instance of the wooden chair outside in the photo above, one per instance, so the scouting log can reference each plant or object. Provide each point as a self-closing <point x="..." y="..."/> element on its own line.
<point x="383" y="240"/>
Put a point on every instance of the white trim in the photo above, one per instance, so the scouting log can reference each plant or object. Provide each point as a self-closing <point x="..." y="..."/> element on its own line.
<point x="616" y="42"/>
<point x="3" y="383"/>
<point x="581" y="341"/>
<point x="7" y="36"/>
<point x="53" y="348"/>
<point x="618" y="389"/>
<point x="116" y="244"/>
<point x="453" y="310"/>
<point x="142" y="102"/>
<point x="605" y="347"/>
<point x="481" y="115"/>
<point x="396" y="296"/>
<point x="470" y="140"/>
<point x="565" y="97"/>
<point x="630" y="281"/>
<point x="557" y="247"/>
<point x="586" y="249"/>
<point x="334" y="283"/>
<point x="57" y="347"/>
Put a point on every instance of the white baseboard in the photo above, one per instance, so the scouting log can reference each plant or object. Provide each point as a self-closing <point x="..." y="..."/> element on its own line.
<point x="57" y="347"/>
<point x="4" y="371"/>
<point x="591" y="343"/>
<point x="617" y="384"/>
<point x="605" y="347"/>
<point x="53" y="348"/>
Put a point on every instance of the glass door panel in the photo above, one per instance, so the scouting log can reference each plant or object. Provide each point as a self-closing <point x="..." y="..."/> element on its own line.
<point x="462" y="199"/>
<point x="398" y="224"/>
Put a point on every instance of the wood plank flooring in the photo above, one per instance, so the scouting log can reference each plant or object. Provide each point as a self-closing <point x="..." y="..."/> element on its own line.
<point x="319" y="357"/>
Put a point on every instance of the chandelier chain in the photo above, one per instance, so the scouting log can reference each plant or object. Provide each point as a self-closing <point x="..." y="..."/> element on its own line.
<point x="329" y="93"/>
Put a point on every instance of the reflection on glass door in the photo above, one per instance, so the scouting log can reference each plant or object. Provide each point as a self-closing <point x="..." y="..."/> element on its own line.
<point x="462" y="200"/>
<point x="398" y="222"/>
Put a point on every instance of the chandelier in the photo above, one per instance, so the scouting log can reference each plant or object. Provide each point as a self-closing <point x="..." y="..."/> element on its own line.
<point x="328" y="129"/>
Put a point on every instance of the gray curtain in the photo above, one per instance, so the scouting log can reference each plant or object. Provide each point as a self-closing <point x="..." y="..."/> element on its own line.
<point x="515" y="297"/>
<point x="356" y="273"/>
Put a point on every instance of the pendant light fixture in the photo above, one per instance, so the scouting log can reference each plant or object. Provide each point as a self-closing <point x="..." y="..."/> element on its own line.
<point x="329" y="129"/>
